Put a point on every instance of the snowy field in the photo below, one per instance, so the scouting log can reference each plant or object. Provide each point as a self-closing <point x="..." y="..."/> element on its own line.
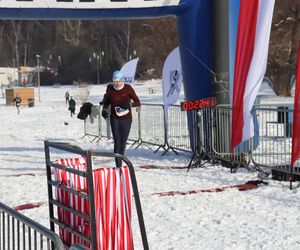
<point x="263" y="218"/>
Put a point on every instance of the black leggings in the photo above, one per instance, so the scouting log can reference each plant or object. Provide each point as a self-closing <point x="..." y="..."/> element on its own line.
<point x="120" y="130"/>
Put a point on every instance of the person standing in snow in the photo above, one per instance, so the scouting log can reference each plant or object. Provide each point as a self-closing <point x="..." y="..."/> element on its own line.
<point x="119" y="97"/>
<point x="72" y="105"/>
<point x="67" y="96"/>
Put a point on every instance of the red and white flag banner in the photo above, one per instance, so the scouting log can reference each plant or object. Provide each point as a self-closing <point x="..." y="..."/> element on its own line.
<point x="254" y="28"/>
<point x="296" y="118"/>
<point x="71" y="200"/>
<point x="112" y="194"/>
<point x="112" y="189"/>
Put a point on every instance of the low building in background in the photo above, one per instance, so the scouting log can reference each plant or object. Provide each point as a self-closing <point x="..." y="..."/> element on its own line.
<point x="8" y="76"/>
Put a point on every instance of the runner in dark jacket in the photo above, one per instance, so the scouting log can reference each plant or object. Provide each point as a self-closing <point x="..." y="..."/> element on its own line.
<point x="72" y="105"/>
<point x="18" y="101"/>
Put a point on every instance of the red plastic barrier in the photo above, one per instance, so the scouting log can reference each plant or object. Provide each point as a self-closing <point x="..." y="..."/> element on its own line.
<point x="112" y="196"/>
<point x="71" y="200"/>
<point x="113" y="208"/>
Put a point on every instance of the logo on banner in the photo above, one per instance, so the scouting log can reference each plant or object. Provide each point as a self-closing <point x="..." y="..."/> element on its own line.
<point x="174" y="78"/>
<point x="128" y="79"/>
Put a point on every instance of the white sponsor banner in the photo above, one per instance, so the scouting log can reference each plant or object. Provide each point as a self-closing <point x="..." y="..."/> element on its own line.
<point x="129" y="69"/>
<point x="172" y="78"/>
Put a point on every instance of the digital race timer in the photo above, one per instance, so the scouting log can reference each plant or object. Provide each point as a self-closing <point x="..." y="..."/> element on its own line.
<point x="198" y="104"/>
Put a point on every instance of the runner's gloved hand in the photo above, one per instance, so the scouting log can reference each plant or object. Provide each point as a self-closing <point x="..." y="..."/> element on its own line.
<point x="104" y="114"/>
<point x="125" y="105"/>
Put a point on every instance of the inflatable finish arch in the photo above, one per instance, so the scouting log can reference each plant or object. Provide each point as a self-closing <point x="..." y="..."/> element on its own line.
<point x="193" y="23"/>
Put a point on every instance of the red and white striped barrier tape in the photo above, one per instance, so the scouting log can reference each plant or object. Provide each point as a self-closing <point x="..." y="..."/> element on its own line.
<point x="112" y="195"/>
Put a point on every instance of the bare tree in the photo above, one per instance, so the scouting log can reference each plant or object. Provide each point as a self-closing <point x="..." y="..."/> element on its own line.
<point x="71" y="32"/>
<point x="283" y="45"/>
<point x="16" y="30"/>
<point x="1" y="34"/>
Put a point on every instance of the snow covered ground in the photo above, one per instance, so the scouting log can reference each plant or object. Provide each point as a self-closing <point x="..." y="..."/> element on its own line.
<point x="263" y="218"/>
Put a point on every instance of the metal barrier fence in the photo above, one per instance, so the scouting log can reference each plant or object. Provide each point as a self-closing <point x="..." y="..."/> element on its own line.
<point x="272" y="142"/>
<point x="221" y="138"/>
<point x="148" y="126"/>
<point x="135" y="131"/>
<point x="104" y="126"/>
<point x="20" y="232"/>
<point x="92" y="125"/>
<point x="151" y="124"/>
<point x="275" y="138"/>
<point x="270" y="147"/>
<point x="87" y="214"/>
<point x="177" y="134"/>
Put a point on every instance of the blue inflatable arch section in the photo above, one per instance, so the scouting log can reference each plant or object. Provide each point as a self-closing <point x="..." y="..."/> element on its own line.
<point x="193" y="24"/>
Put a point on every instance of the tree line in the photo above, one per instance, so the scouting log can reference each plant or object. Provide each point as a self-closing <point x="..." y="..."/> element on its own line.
<point x="82" y="50"/>
<point x="89" y="51"/>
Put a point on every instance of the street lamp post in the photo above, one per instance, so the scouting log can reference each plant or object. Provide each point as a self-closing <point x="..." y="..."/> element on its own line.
<point x="98" y="58"/>
<point x="101" y="55"/>
<point x="53" y="64"/>
<point x="98" y="77"/>
<point x="38" y="75"/>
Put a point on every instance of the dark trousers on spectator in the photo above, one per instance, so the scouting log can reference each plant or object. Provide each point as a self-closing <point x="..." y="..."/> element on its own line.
<point x="120" y="130"/>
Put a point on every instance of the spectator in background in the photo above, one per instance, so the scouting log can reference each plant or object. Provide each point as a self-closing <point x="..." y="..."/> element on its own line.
<point x="119" y="97"/>
<point x="67" y="96"/>
<point x="18" y="101"/>
<point x="72" y="105"/>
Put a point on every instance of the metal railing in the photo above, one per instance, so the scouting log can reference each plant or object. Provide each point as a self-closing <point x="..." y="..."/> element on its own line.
<point x="272" y="142"/>
<point x="270" y="147"/>
<point x="87" y="194"/>
<point x="221" y="138"/>
<point x="20" y="232"/>
<point x="275" y="138"/>
<point x="93" y="125"/>
<point x="177" y="133"/>
<point x="149" y="126"/>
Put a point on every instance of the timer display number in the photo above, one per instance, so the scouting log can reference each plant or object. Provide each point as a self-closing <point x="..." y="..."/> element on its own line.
<point x="198" y="104"/>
